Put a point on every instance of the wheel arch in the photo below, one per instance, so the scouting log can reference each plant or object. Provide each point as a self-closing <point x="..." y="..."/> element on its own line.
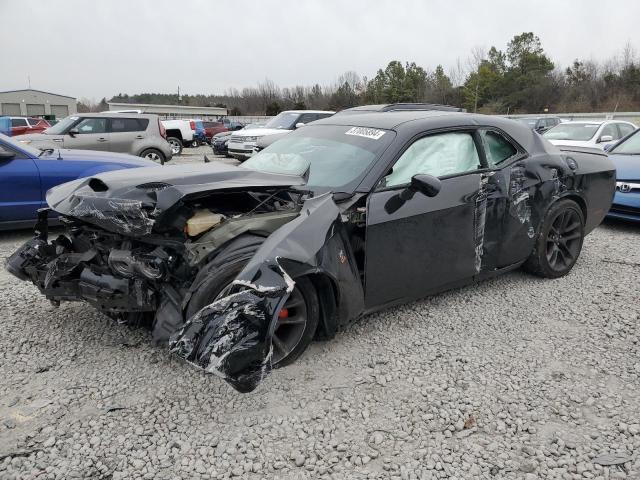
<point x="576" y="198"/>
<point x="174" y="132"/>
<point x="328" y="296"/>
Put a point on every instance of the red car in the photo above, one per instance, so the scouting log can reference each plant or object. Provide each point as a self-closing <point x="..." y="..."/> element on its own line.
<point x="24" y="125"/>
<point x="211" y="128"/>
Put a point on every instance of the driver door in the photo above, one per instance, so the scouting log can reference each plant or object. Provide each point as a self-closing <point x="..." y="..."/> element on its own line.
<point x="428" y="244"/>
<point x="92" y="135"/>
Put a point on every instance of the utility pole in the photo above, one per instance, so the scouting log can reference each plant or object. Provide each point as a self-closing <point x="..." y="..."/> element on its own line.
<point x="179" y="99"/>
<point x="29" y="81"/>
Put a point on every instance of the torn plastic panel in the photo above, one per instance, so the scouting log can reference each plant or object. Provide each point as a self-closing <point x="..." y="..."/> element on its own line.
<point x="231" y="337"/>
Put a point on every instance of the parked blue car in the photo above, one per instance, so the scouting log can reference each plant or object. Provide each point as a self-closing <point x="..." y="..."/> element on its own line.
<point x="625" y="155"/>
<point x="26" y="173"/>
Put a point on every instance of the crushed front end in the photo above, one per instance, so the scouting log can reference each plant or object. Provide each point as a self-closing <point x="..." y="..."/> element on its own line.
<point x="139" y="251"/>
<point x="117" y="275"/>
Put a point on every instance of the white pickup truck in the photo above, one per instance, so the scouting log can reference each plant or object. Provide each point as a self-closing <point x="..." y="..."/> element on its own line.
<point x="180" y="133"/>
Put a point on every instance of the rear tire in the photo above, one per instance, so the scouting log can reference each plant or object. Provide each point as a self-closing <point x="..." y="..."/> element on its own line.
<point x="153" y="154"/>
<point x="294" y="335"/>
<point x="559" y="242"/>
<point x="176" y="145"/>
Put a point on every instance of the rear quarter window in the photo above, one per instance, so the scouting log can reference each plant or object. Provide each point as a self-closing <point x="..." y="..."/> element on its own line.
<point x="129" y="124"/>
<point x="496" y="147"/>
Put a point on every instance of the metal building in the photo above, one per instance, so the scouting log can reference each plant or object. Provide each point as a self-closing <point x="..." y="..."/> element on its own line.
<point x="30" y="102"/>
<point x="171" y="111"/>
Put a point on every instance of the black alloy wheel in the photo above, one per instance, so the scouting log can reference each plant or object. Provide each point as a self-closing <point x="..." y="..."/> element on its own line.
<point x="564" y="240"/>
<point x="557" y="245"/>
<point x="291" y="326"/>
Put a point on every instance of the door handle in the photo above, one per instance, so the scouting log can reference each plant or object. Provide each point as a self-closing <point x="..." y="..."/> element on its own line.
<point x="139" y="137"/>
<point x="102" y="139"/>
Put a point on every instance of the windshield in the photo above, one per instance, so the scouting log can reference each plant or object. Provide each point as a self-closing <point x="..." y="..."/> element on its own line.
<point x="572" y="131"/>
<point x="62" y="126"/>
<point x="338" y="156"/>
<point x="631" y="146"/>
<point x="17" y="144"/>
<point x="285" y="121"/>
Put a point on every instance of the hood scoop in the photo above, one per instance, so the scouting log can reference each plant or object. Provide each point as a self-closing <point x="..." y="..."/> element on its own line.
<point x="98" y="185"/>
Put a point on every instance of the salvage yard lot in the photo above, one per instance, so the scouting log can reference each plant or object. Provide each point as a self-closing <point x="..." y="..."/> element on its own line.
<point x="517" y="377"/>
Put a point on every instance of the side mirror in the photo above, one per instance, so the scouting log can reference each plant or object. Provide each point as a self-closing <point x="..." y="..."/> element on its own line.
<point x="605" y="138"/>
<point x="428" y="185"/>
<point x="73" y="132"/>
<point x="6" y="155"/>
<point x="299" y="124"/>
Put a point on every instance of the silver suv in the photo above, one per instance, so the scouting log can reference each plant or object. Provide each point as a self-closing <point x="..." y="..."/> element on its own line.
<point x="137" y="134"/>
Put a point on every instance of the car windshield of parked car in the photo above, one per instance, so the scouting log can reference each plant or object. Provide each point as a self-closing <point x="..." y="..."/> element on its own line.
<point x="572" y="131"/>
<point x="631" y="146"/>
<point x="338" y="156"/>
<point x="284" y="120"/>
<point x="14" y="142"/>
<point x="62" y="126"/>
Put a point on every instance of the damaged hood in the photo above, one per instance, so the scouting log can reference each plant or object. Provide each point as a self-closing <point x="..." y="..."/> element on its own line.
<point x="129" y="201"/>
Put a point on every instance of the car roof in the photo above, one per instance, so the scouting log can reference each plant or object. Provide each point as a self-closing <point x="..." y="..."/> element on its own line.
<point x="584" y="122"/>
<point x="393" y="107"/>
<point x="114" y="115"/>
<point x="308" y="111"/>
<point x="416" y="121"/>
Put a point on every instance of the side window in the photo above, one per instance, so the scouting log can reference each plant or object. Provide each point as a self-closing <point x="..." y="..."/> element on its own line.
<point x="610" y="129"/>
<point x="438" y="155"/>
<point x="625" y="129"/>
<point x="496" y="147"/>
<point x="92" y="125"/>
<point x="307" y="118"/>
<point x="119" y="125"/>
<point x="19" y="122"/>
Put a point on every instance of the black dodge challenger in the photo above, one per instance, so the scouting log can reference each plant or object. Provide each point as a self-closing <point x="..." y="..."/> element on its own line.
<point x="239" y="268"/>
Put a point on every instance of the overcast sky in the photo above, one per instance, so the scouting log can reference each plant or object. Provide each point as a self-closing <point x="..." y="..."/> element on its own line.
<point x="98" y="48"/>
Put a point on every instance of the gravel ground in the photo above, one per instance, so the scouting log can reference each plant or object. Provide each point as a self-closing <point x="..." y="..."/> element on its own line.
<point x="517" y="378"/>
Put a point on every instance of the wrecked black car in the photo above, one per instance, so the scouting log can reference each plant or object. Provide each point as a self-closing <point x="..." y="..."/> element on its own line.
<point x="240" y="268"/>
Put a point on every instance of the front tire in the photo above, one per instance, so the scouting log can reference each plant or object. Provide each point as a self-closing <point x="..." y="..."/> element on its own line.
<point x="297" y="321"/>
<point x="559" y="242"/>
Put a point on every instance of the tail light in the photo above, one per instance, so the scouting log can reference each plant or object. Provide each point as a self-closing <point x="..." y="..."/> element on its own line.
<point x="192" y="124"/>
<point x="163" y="131"/>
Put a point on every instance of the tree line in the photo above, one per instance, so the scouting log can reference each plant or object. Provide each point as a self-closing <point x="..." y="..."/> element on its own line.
<point x="522" y="78"/>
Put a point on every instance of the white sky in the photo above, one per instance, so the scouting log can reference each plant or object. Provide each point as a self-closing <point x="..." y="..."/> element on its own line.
<point x="99" y="48"/>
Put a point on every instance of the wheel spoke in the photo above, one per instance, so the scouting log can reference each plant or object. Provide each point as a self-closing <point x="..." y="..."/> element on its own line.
<point x="291" y="321"/>
<point x="566" y="252"/>
<point x="279" y="344"/>
<point x="571" y="236"/>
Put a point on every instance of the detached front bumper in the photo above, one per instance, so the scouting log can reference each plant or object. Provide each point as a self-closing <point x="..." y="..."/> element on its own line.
<point x="62" y="273"/>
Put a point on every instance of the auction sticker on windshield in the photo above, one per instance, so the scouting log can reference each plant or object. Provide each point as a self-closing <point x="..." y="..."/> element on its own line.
<point x="371" y="133"/>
